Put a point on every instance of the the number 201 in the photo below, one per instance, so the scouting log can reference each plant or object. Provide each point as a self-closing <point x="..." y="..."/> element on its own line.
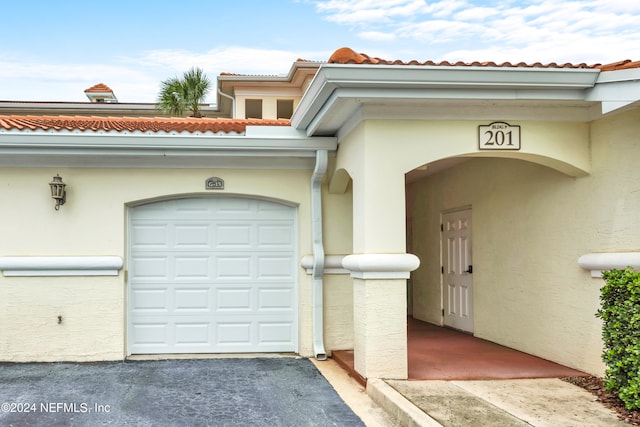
<point x="498" y="137"/>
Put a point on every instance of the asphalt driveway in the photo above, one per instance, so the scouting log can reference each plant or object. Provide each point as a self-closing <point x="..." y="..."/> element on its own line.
<point x="203" y="392"/>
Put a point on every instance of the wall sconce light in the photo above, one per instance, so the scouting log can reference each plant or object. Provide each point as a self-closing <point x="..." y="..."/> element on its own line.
<point x="57" y="191"/>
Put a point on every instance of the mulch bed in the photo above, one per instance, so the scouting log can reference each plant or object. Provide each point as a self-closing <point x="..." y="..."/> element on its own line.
<point x="595" y="386"/>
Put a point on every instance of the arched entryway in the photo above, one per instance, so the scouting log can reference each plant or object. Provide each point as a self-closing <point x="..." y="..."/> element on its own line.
<point x="521" y="246"/>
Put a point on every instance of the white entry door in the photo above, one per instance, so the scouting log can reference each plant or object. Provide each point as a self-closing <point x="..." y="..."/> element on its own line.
<point x="212" y="275"/>
<point x="457" y="270"/>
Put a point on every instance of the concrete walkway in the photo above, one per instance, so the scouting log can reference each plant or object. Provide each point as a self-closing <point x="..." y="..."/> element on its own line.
<point x="547" y="402"/>
<point x="495" y="403"/>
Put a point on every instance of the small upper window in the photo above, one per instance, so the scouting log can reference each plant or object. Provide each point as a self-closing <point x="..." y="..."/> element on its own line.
<point x="285" y="108"/>
<point x="253" y="108"/>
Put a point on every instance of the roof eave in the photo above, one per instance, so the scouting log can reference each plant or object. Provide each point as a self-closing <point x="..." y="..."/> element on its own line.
<point x="616" y="90"/>
<point x="362" y="81"/>
<point x="260" y="145"/>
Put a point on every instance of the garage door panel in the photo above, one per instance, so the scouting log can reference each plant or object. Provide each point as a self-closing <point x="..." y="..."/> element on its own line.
<point x="230" y="336"/>
<point x="189" y="300"/>
<point x="233" y="236"/>
<point x="234" y="333"/>
<point x="274" y="267"/>
<point x="191" y="236"/>
<point x="212" y="275"/>
<point x="155" y="267"/>
<point x="234" y="299"/>
<point x="150" y="236"/>
<point x="193" y="333"/>
<point x="150" y="300"/>
<point x="150" y="334"/>
<point x="237" y="267"/>
<point x="275" y="299"/>
<point x="272" y="236"/>
<point x="195" y="209"/>
<point x="191" y="267"/>
<point x="275" y="211"/>
<point x="275" y="333"/>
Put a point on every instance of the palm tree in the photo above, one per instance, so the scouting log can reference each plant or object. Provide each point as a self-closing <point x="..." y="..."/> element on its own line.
<point x="177" y="95"/>
<point x="171" y="98"/>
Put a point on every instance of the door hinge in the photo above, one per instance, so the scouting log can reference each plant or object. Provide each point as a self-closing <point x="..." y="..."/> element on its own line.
<point x="126" y="276"/>
<point x="442" y="269"/>
<point x="442" y="227"/>
<point x="443" y="312"/>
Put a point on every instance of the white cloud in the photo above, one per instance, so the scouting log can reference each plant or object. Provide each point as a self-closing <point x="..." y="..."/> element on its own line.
<point x="136" y="79"/>
<point x="476" y="13"/>
<point x="369" y="11"/>
<point x="41" y="81"/>
<point x="233" y="59"/>
<point x="445" y="8"/>
<point x="533" y="30"/>
<point x="376" y="36"/>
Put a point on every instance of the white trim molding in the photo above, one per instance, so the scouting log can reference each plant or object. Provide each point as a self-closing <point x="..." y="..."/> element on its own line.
<point x="60" y="265"/>
<point x="332" y="264"/>
<point x="597" y="262"/>
<point x="381" y="266"/>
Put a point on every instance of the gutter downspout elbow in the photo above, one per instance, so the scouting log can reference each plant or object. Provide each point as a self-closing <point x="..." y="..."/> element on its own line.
<point x="318" y="254"/>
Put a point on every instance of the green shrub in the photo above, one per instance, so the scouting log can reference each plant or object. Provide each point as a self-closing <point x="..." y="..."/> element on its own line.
<point x="620" y="313"/>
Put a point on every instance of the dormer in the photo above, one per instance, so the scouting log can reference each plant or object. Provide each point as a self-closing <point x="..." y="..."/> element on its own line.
<point x="101" y="93"/>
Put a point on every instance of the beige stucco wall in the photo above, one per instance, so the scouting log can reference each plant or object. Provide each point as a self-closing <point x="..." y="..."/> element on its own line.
<point x="530" y="225"/>
<point x="93" y="222"/>
<point x="338" y="288"/>
<point x="376" y="154"/>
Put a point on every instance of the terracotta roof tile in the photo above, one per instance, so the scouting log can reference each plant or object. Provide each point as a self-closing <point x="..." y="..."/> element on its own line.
<point x="132" y="124"/>
<point x="100" y="87"/>
<point x="346" y="55"/>
<point x="620" y="65"/>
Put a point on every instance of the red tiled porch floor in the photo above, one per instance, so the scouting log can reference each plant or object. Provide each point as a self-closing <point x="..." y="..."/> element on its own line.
<point x="437" y="353"/>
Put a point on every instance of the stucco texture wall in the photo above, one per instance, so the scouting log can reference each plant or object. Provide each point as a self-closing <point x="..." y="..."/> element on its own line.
<point x="338" y="288"/>
<point x="530" y="225"/>
<point x="93" y="222"/>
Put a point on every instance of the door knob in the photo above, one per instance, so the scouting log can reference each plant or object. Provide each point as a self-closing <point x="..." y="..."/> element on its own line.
<point x="469" y="270"/>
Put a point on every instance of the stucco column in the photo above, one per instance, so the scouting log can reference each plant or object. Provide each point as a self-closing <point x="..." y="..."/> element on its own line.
<point x="380" y="313"/>
<point x="380" y="269"/>
<point x="379" y="265"/>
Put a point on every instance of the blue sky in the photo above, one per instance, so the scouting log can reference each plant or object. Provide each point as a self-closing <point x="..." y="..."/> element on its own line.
<point x="52" y="50"/>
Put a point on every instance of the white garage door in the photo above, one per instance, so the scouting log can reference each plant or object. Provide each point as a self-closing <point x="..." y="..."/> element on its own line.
<point x="212" y="275"/>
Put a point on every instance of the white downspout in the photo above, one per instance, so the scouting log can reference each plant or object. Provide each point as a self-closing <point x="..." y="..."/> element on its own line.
<point x="233" y="103"/>
<point x="318" y="254"/>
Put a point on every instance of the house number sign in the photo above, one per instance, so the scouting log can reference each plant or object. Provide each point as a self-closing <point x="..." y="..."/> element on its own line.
<point x="214" y="183"/>
<point x="499" y="136"/>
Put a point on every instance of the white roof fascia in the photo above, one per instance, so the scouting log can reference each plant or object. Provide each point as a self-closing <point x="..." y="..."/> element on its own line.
<point x="260" y="143"/>
<point x="298" y="65"/>
<point x="440" y="82"/>
<point x="343" y="102"/>
<point x="266" y="91"/>
<point x="616" y="89"/>
<point x="319" y="90"/>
